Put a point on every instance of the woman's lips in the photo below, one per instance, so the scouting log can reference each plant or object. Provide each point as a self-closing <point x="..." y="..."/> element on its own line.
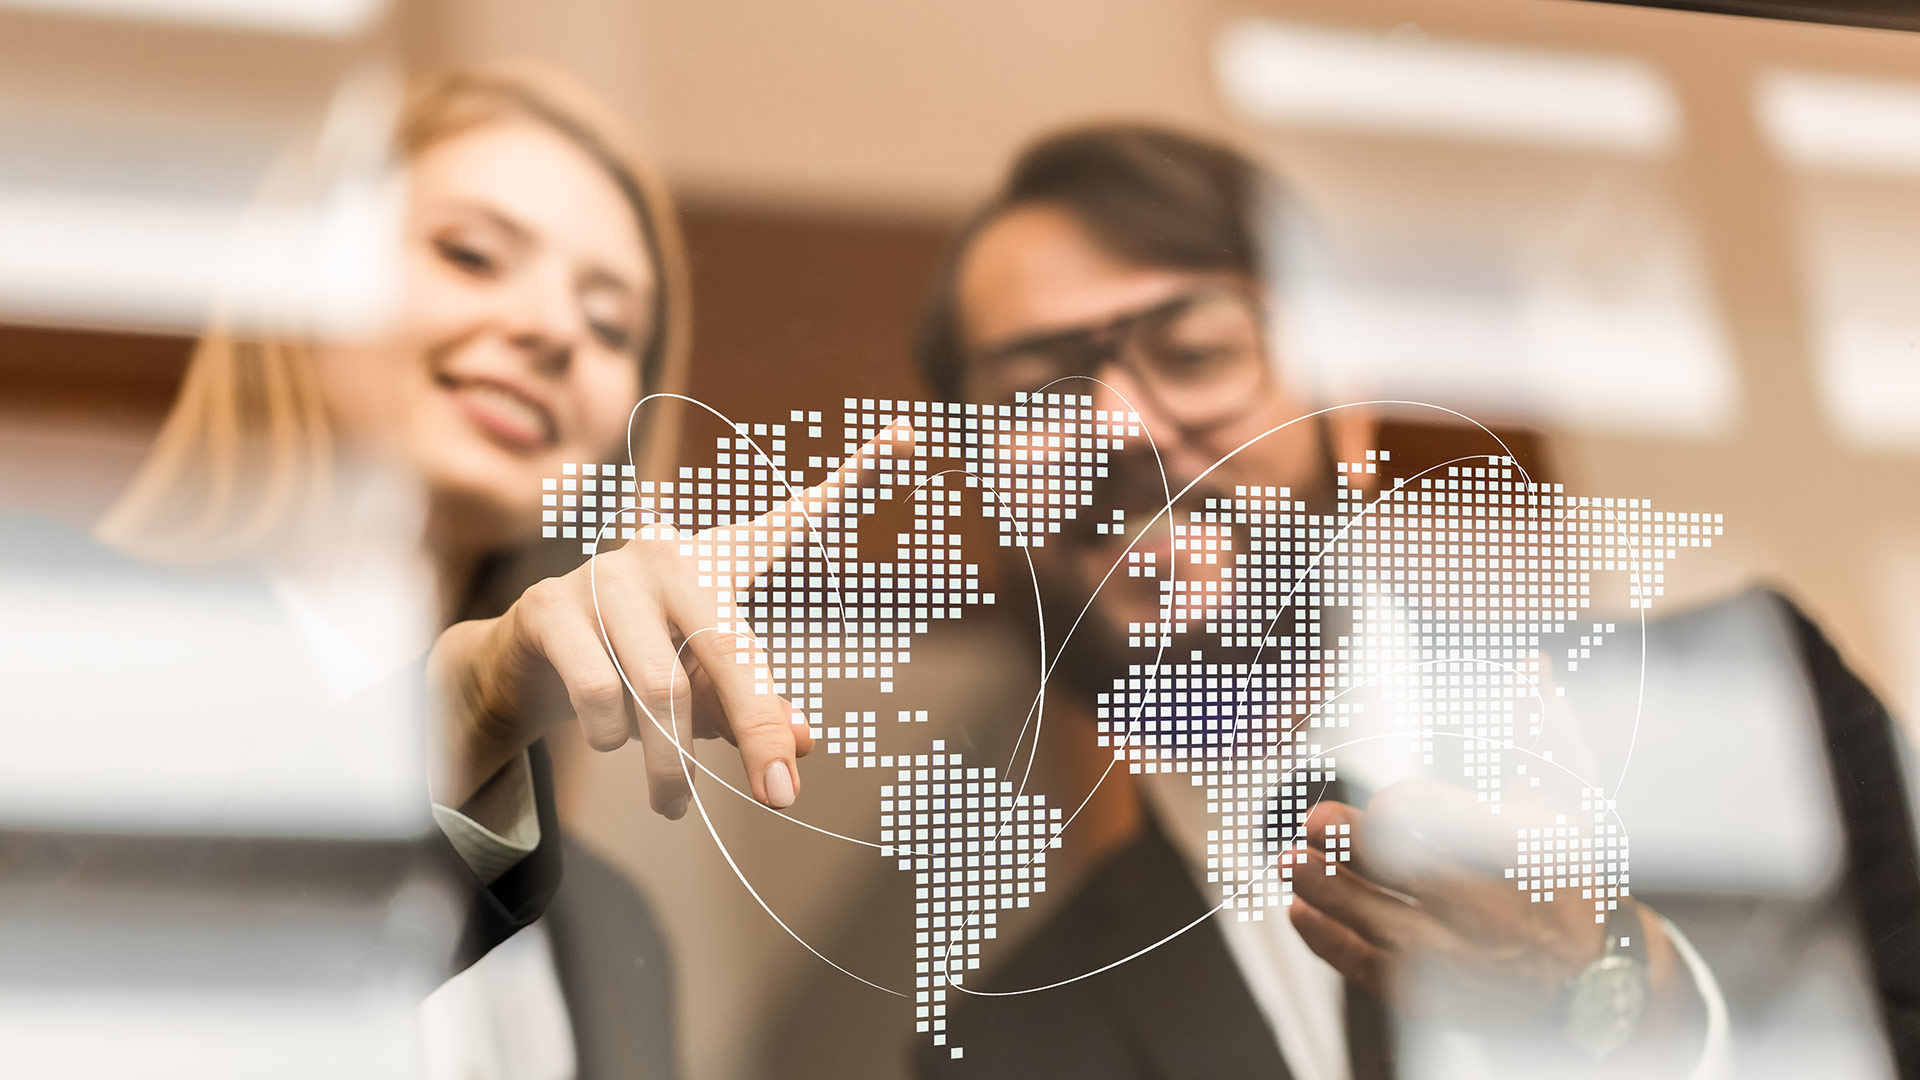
<point x="507" y="414"/>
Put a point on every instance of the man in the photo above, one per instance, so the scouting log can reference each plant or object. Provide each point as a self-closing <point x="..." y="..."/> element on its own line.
<point x="1124" y="263"/>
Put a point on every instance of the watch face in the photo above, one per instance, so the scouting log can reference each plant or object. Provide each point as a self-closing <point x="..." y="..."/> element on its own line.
<point x="1605" y="1003"/>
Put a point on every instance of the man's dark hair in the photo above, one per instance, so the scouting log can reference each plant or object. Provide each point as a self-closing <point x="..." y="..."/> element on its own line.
<point x="1147" y="194"/>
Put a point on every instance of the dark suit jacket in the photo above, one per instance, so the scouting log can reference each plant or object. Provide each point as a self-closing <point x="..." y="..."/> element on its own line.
<point x="1182" y="1011"/>
<point x="519" y="896"/>
<point x="615" y="973"/>
<point x="1178" y="1011"/>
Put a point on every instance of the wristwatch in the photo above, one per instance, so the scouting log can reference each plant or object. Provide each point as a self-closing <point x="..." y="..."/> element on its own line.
<point x="1604" y="1003"/>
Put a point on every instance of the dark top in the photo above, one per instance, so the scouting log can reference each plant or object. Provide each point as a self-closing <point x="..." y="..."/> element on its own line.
<point x="519" y="896"/>
<point x="1178" y="1011"/>
<point x="615" y="973"/>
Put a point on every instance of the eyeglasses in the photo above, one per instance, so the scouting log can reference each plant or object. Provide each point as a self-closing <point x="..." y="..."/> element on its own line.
<point x="1201" y="357"/>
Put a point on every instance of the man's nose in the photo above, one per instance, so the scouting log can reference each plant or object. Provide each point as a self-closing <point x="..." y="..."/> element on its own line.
<point x="1120" y="390"/>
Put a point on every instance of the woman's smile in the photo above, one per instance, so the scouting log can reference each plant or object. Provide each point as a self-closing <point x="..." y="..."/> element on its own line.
<point x="509" y="414"/>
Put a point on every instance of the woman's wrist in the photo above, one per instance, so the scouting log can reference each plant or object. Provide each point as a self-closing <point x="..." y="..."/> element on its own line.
<point x="477" y="726"/>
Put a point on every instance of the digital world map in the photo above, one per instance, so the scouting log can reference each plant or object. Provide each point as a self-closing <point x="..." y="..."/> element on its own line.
<point x="1423" y="595"/>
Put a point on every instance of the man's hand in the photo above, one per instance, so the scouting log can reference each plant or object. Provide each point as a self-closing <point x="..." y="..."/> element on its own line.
<point x="500" y="681"/>
<point x="1424" y="917"/>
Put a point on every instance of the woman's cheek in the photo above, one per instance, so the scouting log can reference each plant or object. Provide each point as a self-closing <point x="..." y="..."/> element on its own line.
<point x="608" y="401"/>
<point x="364" y="389"/>
<point x="439" y="314"/>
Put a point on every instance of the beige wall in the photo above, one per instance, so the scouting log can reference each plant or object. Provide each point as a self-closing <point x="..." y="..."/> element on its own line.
<point x="865" y="106"/>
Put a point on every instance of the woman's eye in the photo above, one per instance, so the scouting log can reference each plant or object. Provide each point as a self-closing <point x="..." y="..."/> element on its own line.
<point x="613" y="336"/>
<point x="466" y="256"/>
<point x="609" y="318"/>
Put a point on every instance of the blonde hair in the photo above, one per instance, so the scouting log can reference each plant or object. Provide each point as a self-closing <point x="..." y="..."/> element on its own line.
<point x="246" y="451"/>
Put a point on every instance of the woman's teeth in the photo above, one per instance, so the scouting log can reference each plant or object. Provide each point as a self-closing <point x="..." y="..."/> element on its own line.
<point x="509" y="408"/>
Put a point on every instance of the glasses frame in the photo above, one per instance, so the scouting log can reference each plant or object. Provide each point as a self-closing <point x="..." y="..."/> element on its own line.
<point x="1111" y="343"/>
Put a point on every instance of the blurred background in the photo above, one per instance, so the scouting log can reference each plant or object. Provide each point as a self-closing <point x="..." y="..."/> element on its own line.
<point x="1678" y="249"/>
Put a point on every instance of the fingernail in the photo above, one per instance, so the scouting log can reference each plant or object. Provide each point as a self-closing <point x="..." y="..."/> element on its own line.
<point x="779" y="786"/>
<point x="677" y="808"/>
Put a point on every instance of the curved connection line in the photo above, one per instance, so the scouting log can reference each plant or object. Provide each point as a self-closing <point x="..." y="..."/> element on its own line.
<point x="727" y="854"/>
<point x="1036" y="714"/>
<point x="1639" y="701"/>
<point x="794" y="498"/>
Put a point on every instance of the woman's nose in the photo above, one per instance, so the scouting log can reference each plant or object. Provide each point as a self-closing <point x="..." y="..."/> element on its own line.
<point x="546" y="326"/>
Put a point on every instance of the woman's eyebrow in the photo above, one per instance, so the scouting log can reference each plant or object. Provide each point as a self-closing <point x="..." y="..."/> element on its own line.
<point x="517" y="232"/>
<point x="598" y="275"/>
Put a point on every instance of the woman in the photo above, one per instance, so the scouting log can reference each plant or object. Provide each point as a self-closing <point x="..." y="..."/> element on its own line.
<point x="542" y="292"/>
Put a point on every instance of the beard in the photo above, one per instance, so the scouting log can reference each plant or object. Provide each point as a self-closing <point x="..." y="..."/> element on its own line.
<point x="1090" y="605"/>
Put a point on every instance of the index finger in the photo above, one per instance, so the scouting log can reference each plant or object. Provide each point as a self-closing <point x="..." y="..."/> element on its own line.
<point x="762" y="727"/>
